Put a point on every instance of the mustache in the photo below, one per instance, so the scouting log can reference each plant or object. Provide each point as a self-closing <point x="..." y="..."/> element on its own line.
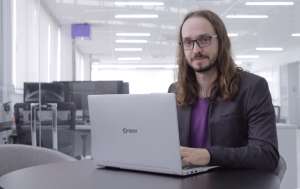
<point x="199" y="56"/>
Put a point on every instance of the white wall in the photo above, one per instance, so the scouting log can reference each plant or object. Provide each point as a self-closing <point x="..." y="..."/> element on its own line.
<point x="79" y="62"/>
<point x="290" y="92"/>
<point x="66" y="53"/>
<point x="87" y="67"/>
<point x="82" y="66"/>
<point x="1" y="50"/>
<point x="273" y="78"/>
<point x="6" y="51"/>
<point x="140" y="80"/>
<point x="269" y="61"/>
<point x="26" y="33"/>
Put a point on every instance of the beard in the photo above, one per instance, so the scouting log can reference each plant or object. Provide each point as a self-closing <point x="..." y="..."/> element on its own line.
<point x="208" y="67"/>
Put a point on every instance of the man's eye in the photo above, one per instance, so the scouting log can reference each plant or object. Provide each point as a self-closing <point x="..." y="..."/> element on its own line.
<point x="188" y="42"/>
<point x="204" y="39"/>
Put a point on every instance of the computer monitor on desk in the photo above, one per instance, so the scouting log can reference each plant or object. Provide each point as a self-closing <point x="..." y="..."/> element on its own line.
<point x="78" y="91"/>
<point x="48" y="92"/>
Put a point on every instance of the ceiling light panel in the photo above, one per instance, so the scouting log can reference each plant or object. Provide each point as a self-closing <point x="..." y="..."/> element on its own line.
<point x="129" y="58"/>
<point x="233" y="34"/>
<point x="88" y="2"/>
<point x="131" y="41"/>
<point x="136" y="16"/>
<point x="128" y="49"/>
<point x="295" y="34"/>
<point x="65" y="1"/>
<point x="269" y="49"/>
<point x="269" y="3"/>
<point x="247" y="56"/>
<point x="147" y="66"/>
<point x="247" y="16"/>
<point x="138" y="3"/>
<point x="133" y="34"/>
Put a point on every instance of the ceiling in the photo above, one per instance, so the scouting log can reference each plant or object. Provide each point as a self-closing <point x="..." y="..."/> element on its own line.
<point x="275" y="31"/>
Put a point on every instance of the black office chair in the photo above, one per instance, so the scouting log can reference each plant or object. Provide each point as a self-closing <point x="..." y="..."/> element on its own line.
<point x="281" y="168"/>
<point x="66" y="127"/>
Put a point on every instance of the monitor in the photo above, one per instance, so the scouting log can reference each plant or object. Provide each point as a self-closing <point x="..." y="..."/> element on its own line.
<point x="50" y="92"/>
<point x="78" y="91"/>
<point x="81" y="89"/>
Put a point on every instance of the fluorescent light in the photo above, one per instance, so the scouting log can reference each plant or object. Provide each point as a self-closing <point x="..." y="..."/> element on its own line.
<point x="129" y="58"/>
<point x="144" y="66"/>
<point x="138" y="3"/>
<point x="265" y="3"/>
<point x="269" y="49"/>
<point x="128" y="49"/>
<point x="131" y="41"/>
<point x="252" y="16"/>
<point x="88" y="2"/>
<point x="135" y="16"/>
<point x="233" y="34"/>
<point x="68" y="1"/>
<point x="133" y="34"/>
<point x="247" y="56"/>
<point x="295" y="34"/>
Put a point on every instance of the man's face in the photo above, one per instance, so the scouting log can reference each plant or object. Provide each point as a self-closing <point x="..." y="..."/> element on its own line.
<point x="201" y="58"/>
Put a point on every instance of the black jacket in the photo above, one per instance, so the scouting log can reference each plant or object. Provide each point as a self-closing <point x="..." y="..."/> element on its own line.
<point x="242" y="132"/>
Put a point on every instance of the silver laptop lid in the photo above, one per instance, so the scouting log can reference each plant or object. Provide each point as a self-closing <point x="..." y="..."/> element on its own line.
<point x="135" y="131"/>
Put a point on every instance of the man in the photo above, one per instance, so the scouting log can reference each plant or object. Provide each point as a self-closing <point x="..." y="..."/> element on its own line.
<point x="225" y="115"/>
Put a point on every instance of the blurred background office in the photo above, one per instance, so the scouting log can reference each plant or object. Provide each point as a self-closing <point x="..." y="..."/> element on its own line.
<point x="53" y="53"/>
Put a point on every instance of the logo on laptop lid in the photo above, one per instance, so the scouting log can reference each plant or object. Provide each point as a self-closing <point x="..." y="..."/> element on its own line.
<point x="129" y="131"/>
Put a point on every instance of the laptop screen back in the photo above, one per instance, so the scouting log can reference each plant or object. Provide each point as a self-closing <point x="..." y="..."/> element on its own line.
<point x="135" y="131"/>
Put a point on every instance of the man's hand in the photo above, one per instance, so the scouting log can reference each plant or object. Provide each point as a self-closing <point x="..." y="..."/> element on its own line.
<point x="194" y="156"/>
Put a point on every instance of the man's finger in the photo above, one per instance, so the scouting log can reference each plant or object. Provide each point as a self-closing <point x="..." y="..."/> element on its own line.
<point x="184" y="153"/>
<point x="185" y="162"/>
<point x="185" y="150"/>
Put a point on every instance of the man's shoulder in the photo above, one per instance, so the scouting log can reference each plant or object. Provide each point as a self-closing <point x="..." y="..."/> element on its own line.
<point x="248" y="79"/>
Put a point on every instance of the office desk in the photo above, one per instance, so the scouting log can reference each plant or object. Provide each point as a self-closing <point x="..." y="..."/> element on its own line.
<point x="84" y="175"/>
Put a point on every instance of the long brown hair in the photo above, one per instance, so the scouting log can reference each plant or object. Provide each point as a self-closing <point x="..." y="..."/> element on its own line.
<point x="227" y="82"/>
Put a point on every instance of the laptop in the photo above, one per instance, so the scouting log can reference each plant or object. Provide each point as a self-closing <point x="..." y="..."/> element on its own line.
<point x="137" y="132"/>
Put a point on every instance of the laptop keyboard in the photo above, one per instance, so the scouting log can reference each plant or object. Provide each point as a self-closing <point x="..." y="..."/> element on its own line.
<point x="190" y="166"/>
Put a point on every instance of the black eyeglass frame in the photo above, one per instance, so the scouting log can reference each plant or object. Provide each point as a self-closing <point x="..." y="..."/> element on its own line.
<point x="192" y="46"/>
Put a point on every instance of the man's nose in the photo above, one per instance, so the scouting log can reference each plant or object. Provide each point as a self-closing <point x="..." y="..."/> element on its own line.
<point x="197" y="47"/>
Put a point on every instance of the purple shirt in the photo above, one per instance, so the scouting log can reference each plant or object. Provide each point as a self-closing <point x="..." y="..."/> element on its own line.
<point x="199" y="124"/>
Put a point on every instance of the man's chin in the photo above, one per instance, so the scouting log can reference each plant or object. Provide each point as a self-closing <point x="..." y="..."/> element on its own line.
<point x="205" y="68"/>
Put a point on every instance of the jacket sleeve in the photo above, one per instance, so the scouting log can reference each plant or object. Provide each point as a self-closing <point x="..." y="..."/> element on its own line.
<point x="261" y="151"/>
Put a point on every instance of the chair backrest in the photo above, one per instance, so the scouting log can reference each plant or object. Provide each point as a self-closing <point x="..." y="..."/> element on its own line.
<point x="281" y="168"/>
<point x="18" y="156"/>
<point x="172" y="88"/>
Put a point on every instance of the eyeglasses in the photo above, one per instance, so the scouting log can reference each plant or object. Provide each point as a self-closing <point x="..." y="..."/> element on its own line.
<point x="202" y="41"/>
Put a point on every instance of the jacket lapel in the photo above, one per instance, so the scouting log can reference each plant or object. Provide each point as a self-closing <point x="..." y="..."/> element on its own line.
<point x="184" y="116"/>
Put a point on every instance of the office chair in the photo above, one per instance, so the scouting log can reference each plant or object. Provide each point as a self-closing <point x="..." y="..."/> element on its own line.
<point x="66" y="127"/>
<point x="281" y="168"/>
<point x="172" y="88"/>
<point x="18" y="156"/>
